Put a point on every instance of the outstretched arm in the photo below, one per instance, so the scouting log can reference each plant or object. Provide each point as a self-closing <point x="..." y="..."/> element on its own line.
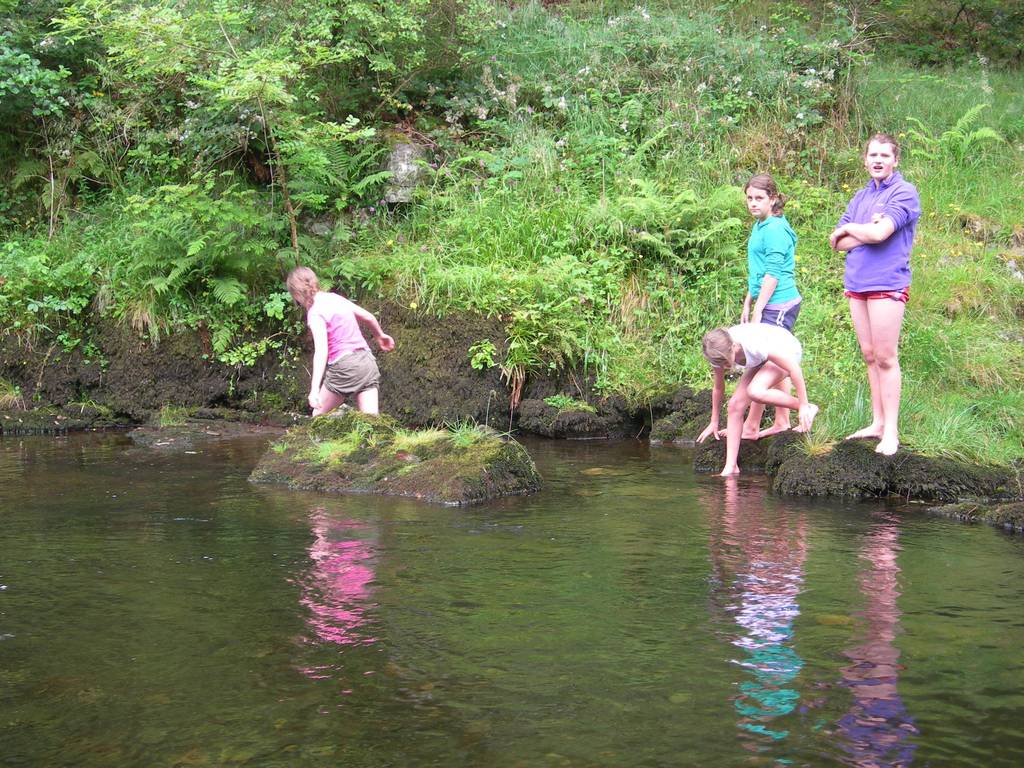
<point x="717" y="392"/>
<point x="364" y="316"/>
<point x="318" y="326"/>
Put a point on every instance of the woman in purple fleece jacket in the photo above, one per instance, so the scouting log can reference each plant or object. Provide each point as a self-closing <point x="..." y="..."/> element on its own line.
<point x="877" y="233"/>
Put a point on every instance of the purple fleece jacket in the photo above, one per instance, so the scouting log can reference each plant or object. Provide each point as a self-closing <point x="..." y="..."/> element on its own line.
<point x="883" y="266"/>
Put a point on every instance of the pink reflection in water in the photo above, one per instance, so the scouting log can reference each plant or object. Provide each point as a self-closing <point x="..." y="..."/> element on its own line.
<point x="336" y="589"/>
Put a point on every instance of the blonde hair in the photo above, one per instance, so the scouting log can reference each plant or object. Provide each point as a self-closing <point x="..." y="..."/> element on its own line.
<point x="718" y="347"/>
<point x="303" y="286"/>
<point x="766" y="184"/>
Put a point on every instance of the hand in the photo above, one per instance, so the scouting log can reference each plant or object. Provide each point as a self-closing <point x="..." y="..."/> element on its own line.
<point x="386" y="342"/>
<point x="314" y="400"/>
<point x="876" y="217"/>
<point x="837" y="233"/>
<point x="710" y="429"/>
<point x="756" y="318"/>
<point x="745" y="314"/>
<point x="806" y="415"/>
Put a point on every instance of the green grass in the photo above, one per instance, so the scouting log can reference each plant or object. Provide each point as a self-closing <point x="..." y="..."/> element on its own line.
<point x="409" y="440"/>
<point x="560" y="206"/>
<point x="172" y="416"/>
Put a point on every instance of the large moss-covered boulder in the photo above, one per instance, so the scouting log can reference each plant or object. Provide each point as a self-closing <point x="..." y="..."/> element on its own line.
<point x="350" y="452"/>
<point x="852" y="469"/>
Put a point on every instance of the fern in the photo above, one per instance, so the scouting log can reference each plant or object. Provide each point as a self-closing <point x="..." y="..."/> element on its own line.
<point x="227" y="290"/>
<point x="962" y="144"/>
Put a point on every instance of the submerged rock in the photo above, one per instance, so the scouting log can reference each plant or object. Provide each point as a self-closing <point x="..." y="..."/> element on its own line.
<point x="192" y="432"/>
<point x="1009" y="516"/>
<point x="58" y="421"/>
<point x="350" y="452"/>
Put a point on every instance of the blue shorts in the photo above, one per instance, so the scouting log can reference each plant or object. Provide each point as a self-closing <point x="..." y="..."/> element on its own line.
<point x="786" y="318"/>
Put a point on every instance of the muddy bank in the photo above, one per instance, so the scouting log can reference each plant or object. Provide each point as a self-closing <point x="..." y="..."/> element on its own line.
<point x="426" y="380"/>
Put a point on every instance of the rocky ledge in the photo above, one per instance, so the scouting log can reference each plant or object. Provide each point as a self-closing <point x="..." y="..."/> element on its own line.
<point x="349" y="452"/>
<point x="852" y="469"/>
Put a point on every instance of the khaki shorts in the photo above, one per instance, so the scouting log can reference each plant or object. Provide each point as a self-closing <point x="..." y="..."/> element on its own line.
<point x="352" y="373"/>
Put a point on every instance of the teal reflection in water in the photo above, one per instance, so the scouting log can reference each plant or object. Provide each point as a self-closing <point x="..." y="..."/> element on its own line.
<point x="758" y="558"/>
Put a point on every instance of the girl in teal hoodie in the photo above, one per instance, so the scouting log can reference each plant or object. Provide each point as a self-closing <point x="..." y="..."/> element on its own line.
<point x="771" y="283"/>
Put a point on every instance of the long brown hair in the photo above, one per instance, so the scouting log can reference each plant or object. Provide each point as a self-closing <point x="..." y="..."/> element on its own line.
<point x="303" y="286"/>
<point x="766" y="183"/>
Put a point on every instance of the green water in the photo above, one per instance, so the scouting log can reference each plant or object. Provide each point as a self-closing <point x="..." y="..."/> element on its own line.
<point x="157" y="610"/>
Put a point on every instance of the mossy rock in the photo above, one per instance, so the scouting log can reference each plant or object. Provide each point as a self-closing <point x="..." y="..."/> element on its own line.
<point x="852" y="469"/>
<point x="350" y="452"/>
<point x="539" y="418"/>
<point x="709" y="456"/>
<point x="679" y="428"/>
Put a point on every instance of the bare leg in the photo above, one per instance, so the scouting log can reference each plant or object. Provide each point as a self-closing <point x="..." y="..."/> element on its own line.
<point x="886" y="322"/>
<point x="781" y="414"/>
<point x="734" y="428"/>
<point x="328" y="401"/>
<point x="367" y="401"/>
<point x="752" y="424"/>
<point x="863" y="328"/>
<point x="763" y="388"/>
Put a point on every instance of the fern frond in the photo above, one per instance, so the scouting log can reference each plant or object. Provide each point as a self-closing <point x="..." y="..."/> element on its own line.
<point x="227" y="290"/>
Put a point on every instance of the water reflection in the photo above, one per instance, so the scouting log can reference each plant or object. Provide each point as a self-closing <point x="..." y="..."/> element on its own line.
<point x="336" y="589"/>
<point x="757" y="557"/>
<point x="876" y="731"/>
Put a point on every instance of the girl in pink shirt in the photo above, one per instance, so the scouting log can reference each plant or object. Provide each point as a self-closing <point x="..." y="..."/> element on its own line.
<point x="342" y="362"/>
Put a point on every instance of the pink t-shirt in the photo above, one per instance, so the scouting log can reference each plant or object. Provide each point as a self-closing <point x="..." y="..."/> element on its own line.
<point x="343" y="334"/>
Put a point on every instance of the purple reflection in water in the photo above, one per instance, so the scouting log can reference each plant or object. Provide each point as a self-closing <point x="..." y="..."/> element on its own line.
<point x="337" y="587"/>
<point x="877" y="729"/>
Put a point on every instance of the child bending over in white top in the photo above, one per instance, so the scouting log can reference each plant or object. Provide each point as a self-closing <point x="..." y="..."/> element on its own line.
<point x="768" y="354"/>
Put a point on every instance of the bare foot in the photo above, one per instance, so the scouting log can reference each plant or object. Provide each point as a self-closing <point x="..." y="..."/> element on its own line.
<point x="888" y="445"/>
<point x="812" y="411"/>
<point x="774" y="429"/>
<point x="872" y="430"/>
<point x="749" y="435"/>
<point x="730" y="472"/>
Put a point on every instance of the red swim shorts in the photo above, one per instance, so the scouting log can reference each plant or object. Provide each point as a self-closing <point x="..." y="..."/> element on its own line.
<point x="901" y="295"/>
